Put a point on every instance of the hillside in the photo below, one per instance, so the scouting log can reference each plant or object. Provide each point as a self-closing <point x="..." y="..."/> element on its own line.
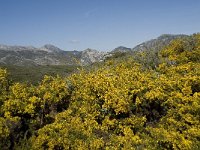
<point x="122" y="104"/>
<point x="52" y="55"/>
<point x="30" y="64"/>
<point x="158" y="43"/>
<point x="46" y="55"/>
<point x="146" y="52"/>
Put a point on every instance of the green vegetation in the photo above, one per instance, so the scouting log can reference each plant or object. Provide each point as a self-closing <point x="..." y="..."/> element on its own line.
<point x="121" y="105"/>
<point x="35" y="74"/>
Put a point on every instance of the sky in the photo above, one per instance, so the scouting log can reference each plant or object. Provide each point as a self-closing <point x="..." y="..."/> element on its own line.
<point x="97" y="24"/>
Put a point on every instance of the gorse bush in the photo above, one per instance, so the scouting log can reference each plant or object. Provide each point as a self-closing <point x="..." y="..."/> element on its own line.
<point x="121" y="105"/>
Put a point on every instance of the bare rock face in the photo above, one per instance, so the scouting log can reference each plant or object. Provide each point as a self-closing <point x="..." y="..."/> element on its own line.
<point x="89" y="56"/>
<point x="51" y="48"/>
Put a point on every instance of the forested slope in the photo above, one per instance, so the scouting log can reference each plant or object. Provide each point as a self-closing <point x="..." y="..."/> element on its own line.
<point x="124" y="104"/>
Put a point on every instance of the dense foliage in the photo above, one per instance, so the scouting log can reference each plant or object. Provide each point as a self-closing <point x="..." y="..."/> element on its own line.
<point x="121" y="105"/>
<point x="34" y="74"/>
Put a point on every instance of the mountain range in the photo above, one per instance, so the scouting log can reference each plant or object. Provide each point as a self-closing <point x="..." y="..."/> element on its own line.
<point x="52" y="55"/>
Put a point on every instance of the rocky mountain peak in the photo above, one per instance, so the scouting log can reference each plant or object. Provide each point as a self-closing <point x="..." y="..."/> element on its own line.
<point x="91" y="55"/>
<point x="121" y="49"/>
<point x="50" y="48"/>
<point x="89" y="50"/>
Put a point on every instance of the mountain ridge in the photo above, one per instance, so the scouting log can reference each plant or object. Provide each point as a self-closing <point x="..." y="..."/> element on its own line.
<point x="52" y="55"/>
<point x="158" y="43"/>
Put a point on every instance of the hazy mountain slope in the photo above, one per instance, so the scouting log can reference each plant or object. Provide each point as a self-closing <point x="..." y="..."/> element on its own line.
<point x="147" y="52"/>
<point x="121" y="49"/>
<point x="158" y="43"/>
<point x="52" y="55"/>
<point x="46" y="55"/>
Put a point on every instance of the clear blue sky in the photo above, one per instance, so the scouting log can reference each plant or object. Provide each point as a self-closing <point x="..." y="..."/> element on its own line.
<point x="98" y="24"/>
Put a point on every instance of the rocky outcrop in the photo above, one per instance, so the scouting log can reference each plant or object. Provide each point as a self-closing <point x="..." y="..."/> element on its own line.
<point x="89" y="56"/>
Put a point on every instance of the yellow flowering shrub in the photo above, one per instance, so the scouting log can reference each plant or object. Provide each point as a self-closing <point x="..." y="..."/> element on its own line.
<point x="120" y="105"/>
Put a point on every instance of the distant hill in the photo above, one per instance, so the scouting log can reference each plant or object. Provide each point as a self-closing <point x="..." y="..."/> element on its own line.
<point x="121" y="49"/>
<point x="150" y="48"/>
<point x="52" y="55"/>
<point x="46" y="55"/>
<point x="30" y="64"/>
<point x="158" y="43"/>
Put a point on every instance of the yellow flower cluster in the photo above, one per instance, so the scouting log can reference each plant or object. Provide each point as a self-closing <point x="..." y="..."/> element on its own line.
<point x="121" y="105"/>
